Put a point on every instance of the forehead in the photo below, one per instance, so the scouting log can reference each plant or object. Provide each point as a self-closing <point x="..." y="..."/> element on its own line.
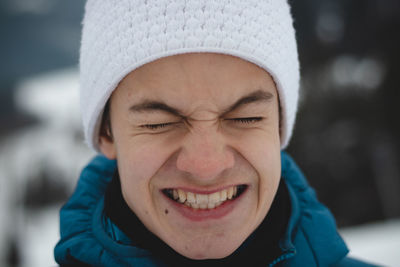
<point x="194" y="79"/>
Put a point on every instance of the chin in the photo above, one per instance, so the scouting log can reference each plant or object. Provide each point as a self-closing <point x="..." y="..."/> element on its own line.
<point x="198" y="250"/>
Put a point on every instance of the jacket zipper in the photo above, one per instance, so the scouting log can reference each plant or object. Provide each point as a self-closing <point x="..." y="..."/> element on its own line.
<point x="283" y="257"/>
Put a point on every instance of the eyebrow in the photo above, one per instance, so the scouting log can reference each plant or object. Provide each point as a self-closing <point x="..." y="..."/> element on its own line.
<point x="256" y="96"/>
<point x="151" y="105"/>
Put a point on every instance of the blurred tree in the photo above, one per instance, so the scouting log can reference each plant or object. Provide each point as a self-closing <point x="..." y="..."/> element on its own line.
<point x="346" y="135"/>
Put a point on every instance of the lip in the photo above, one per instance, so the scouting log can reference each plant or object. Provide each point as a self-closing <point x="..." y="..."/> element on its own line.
<point x="198" y="215"/>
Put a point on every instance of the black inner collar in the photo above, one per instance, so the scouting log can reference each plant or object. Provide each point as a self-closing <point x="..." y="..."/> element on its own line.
<point x="258" y="250"/>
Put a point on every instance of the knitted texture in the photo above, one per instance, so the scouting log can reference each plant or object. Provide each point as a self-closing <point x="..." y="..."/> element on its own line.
<point x="121" y="35"/>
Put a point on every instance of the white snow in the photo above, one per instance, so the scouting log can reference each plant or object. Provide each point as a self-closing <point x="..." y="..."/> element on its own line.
<point x="375" y="242"/>
<point x="56" y="144"/>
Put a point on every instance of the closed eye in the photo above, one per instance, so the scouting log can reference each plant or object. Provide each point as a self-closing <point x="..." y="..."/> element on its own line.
<point x="248" y="120"/>
<point x="157" y="126"/>
<point x="162" y="126"/>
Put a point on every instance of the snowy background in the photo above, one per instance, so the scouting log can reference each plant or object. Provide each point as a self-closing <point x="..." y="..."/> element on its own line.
<point x="346" y="139"/>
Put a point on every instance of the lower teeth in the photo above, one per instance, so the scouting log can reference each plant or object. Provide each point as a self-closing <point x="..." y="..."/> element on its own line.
<point x="202" y="206"/>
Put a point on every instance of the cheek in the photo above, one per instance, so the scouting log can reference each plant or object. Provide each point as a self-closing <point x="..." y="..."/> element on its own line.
<point x="141" y="162"/>
<point x="137" y="165"/>
<point x="262" y="151"/>
<point x="140" y="155"/>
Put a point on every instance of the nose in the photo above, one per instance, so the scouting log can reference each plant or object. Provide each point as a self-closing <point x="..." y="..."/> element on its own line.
<point x="204" y="154"/>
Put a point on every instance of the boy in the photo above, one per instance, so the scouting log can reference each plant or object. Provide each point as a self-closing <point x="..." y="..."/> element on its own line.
<point x="191" y="103"/>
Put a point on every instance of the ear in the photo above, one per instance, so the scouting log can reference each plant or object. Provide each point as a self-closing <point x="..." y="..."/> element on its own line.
<point x="107" y="146"/>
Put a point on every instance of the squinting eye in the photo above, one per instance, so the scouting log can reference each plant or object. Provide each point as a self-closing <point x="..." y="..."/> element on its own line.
<point x="157" y="126"/>
<point x="246" y="120"/>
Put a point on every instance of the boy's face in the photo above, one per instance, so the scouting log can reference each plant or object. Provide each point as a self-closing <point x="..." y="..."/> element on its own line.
<point x="197" y="127"/>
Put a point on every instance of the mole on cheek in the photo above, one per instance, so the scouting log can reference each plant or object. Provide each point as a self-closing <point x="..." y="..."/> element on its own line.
<point x="166" y="211"/>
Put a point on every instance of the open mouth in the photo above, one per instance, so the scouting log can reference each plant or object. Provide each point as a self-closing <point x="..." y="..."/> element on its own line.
<point x="205" y="201"/>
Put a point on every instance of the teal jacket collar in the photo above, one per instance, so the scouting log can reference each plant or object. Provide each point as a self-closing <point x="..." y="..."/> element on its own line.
<point x="87" y="236"/>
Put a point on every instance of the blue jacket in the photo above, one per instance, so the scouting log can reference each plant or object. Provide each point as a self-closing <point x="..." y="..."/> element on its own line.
<point x="311" y="237"/>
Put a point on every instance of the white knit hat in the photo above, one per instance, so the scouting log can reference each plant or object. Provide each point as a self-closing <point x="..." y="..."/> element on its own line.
<point x="121" y="35"/>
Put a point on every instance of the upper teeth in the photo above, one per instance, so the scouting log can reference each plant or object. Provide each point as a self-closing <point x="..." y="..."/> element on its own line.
<point x="204" y="201"/>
